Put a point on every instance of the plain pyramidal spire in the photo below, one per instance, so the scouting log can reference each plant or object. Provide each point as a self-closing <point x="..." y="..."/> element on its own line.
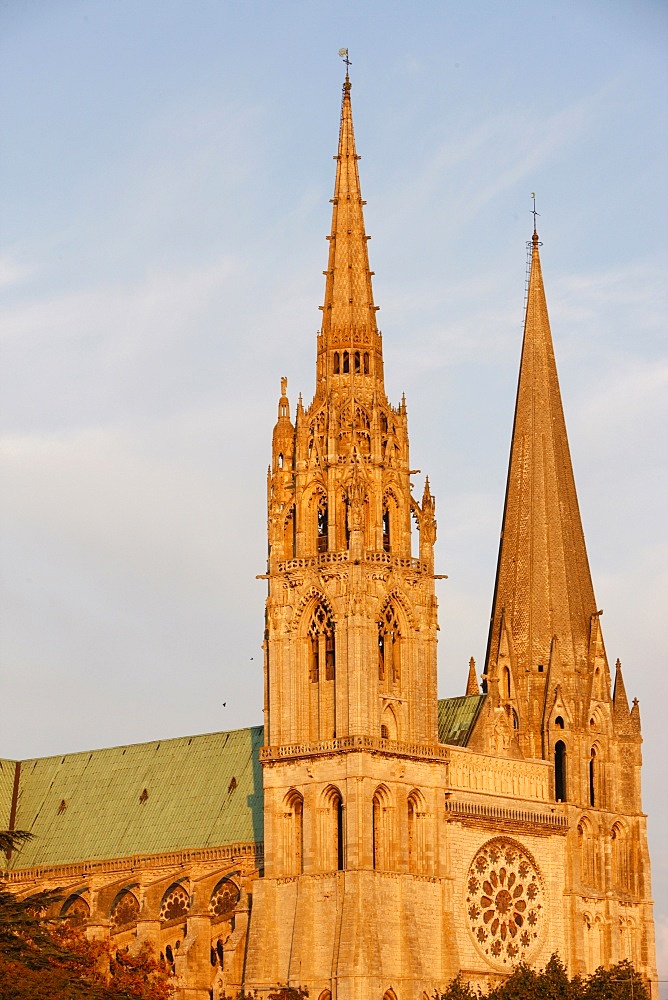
<point x="543" y="585"/>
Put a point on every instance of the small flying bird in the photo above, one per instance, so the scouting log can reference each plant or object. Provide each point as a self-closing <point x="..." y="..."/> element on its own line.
<point x="224" y="704"/>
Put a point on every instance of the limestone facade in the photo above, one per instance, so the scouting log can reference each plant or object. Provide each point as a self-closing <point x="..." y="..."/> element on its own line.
<point x="394" y="855"/>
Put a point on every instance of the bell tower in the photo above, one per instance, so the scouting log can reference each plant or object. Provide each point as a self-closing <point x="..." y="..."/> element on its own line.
<point x="351" y="612"/>
<point x="351" y="714"/>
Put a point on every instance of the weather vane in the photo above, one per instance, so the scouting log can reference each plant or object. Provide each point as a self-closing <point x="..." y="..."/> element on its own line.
<point x="344" y="55"/>
<point x="533" y="210"/>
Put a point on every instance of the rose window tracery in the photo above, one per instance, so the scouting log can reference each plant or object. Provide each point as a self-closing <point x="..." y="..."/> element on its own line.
<point x="125" y="912"/>
<point x="76" y="910"/>
<point x="505" y="902"/>
<point x="224" y="899"/>
<point x="175" y="904"/>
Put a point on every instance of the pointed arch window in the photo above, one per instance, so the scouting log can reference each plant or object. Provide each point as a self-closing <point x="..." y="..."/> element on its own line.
<point x="389" y="646"/>
<point x="506" y="683"/>
<point x="416" y="832"/>
<point x="293" y="840"/>
<point x="386" y="529"/>
<point x="560" y="771"/>
<point x="332" y="831"/>
<point x="322" y="523"/>
<point x="621" y="858"/>
<point x="323" y="644"/>
<point x="290" y="534"/>
<point x="592" y="777"/>
<point x="346" y="363"/>
<point x="381" y="838"/>
<point x="337" y="363"/>
<point x="321" y="654"/>
<point x="586" y="843"/>
<point x="357" y="362"/>
<point x="366" y="362"/>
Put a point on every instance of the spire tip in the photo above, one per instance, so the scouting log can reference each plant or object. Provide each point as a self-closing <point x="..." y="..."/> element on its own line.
<point x="344" y="55"/>
<point x="535" y="214"/>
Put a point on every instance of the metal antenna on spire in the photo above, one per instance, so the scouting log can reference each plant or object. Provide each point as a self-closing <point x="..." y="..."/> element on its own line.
<point x="344" y="55"/>
<point x="533" y="210"/>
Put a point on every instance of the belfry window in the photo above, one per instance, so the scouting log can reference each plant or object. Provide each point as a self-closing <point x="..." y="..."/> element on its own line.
<point x="560" y="771"/>
<point x="346" y="363"/>
<point x="389" y="646"/>
<point x="322" y="524"/>
<point x="322" y="645"/>
<point x="337" y="363"/>
<point x="357" y="363"/>
<point x="386" y="529"/>
<point x="366" y="362"/>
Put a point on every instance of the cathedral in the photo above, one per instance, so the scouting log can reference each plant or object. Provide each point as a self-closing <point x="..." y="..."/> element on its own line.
<point x="370" y="841"/>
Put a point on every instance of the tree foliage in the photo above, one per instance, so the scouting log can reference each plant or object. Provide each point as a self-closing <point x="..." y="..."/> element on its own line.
<point x="621" y="982"/>
<point x="44" y="958"/>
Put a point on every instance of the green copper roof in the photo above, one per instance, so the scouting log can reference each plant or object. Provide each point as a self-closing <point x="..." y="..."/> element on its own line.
<point x="200" y="791"/>
<point x="456" y="718"/>
<point x="7" y="772"/>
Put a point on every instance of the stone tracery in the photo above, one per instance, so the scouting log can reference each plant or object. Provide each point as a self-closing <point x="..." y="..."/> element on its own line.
<point x="505" y="902"/>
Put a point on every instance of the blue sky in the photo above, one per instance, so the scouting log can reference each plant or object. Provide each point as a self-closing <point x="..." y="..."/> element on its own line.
<point x="165" y="186"/>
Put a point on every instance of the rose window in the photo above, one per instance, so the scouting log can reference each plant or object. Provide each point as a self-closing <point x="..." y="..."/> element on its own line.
<point x="225" y="897"/>
<point x="175" y="904"/>
<point x="504" y="902"/>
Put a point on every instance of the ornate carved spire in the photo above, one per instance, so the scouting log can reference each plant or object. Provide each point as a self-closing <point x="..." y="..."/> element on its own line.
<point x="543" y="580"/>
<point x="349" y="343"/>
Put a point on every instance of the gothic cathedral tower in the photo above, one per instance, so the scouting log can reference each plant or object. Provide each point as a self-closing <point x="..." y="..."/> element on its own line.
<point x="350" y="643"/>
<point x="407" y="839"/>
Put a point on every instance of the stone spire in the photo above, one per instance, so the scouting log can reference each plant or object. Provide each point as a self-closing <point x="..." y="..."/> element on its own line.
<point x="349" y="314"/>
<point x="620" y="703"/>
<point x="543" y="585"/>
<point x="472" y="680"/>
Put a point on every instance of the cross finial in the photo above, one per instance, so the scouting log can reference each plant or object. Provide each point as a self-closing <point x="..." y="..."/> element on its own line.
<point x="533" y="210"/>
<point x="344" y="55"/>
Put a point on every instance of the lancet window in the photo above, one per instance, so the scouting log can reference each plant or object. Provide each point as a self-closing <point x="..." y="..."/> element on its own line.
<point x="332" y="832"/>
<point x="323" y="645"/>
<point x="592" y="777"/>
<point x="621" y="857"/>
<point x="290" y="535"/>
<point x="381" y="832"/>
<point x="322" y="523"/>
<point x="416" y="832"/>
<point x="587" y="845"/>
<point x="321" y="640"/>
<point x="389" y="646"/>
<point x="293" y="839"/>
<point x="560" y="771"/>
